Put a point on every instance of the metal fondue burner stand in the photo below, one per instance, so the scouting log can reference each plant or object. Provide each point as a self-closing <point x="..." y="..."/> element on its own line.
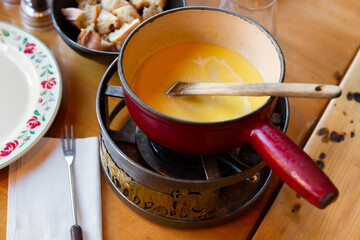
<point x="172" y="188"/>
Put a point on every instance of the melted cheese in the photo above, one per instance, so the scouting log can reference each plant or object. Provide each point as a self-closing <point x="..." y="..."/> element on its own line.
<point x="196" y="62"/>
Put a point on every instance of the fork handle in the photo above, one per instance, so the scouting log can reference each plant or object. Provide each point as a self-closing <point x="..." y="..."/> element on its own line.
<point x="76" y="232"/>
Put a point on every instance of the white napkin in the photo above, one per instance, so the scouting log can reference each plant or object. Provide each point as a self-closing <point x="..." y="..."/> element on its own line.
<point x="39" y="204"/>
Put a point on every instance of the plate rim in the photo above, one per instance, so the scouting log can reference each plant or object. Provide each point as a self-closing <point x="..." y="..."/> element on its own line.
<point x="7" y="160"/>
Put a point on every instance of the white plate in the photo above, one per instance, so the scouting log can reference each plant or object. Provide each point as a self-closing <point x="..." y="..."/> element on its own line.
<point x="30" y="91"/>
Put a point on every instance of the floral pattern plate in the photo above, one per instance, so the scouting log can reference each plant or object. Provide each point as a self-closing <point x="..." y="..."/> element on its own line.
<point x="30" y="91"/>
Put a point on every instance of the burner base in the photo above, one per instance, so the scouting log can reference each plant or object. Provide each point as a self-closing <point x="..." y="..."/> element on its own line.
<point x="183" y="207"/>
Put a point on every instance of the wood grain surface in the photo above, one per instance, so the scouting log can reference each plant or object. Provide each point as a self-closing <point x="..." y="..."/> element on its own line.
<point x="319" y="40"/>
<point x="335" y="145"/>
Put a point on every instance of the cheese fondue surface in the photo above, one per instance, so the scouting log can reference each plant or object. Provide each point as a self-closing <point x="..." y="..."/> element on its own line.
<point x="196" y="62"/>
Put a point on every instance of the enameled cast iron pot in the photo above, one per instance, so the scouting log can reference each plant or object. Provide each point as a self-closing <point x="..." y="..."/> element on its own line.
<point x="245" y="36"/>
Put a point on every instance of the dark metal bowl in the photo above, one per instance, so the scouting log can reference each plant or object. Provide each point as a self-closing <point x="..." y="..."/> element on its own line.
<point x="69" y="33"/>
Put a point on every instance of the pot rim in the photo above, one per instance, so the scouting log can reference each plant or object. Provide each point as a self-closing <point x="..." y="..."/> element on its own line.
<point x="135" y="98"/>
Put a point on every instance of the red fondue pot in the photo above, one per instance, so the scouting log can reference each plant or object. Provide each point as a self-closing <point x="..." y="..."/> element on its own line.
<point x="243" y="35"/>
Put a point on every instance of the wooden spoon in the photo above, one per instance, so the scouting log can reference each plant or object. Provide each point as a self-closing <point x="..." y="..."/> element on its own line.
<point x="304" y="90"/>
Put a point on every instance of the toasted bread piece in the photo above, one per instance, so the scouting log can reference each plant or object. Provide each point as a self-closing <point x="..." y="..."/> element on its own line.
<point x="160" y="3"/>
<point x="126" y="14"/>
<point x="97" y="4"/>
<point x="106" y="22"/>
<point x="108" y="46"/>
<point x="119" y="35"/>
<point x="113" y="4"/>
<point x="82" y="4"/>
<point x="91" y="14"/>
<point x="151" y="11"/>
<point x="91" y="27"/>
<point x="139" y="4"/>
<point x="89" y="39"/>
<point x="73" y="15"/>
<point x="105" y="37"/>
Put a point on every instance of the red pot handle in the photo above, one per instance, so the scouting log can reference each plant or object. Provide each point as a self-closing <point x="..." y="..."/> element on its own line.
<point x="293" y="165"/>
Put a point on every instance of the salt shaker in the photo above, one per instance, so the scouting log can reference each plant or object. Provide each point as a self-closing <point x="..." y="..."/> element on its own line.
<point x="36" y="14"/>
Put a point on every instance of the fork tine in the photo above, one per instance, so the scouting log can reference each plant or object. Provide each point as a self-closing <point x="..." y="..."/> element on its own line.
<point x="67" y="146"/>
<point x="72" y="139"/>
<point x="62" y="140"/>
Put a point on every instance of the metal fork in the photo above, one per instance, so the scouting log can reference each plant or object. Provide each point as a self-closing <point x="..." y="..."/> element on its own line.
<point x="69" y="154"/>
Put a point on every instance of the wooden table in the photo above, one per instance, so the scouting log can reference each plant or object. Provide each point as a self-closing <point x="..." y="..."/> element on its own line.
<point x="318" y="38"/>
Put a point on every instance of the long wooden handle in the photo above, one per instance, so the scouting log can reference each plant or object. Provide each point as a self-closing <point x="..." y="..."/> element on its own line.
<point x="256" y="89"/>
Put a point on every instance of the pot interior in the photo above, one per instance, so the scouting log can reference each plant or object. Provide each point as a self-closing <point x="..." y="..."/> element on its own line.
<point x="194" y="24"/>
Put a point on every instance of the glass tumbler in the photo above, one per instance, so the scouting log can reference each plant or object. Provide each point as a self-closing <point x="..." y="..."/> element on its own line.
<point x="262" y="11"/>
<point x="11" y="2"/>
<point x="36" y="14"/>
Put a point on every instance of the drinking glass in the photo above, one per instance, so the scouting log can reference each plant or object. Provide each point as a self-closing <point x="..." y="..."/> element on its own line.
<point x="11" y="2"/>
<point x="262" y="11"/>
<point x="36" y="14"/>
